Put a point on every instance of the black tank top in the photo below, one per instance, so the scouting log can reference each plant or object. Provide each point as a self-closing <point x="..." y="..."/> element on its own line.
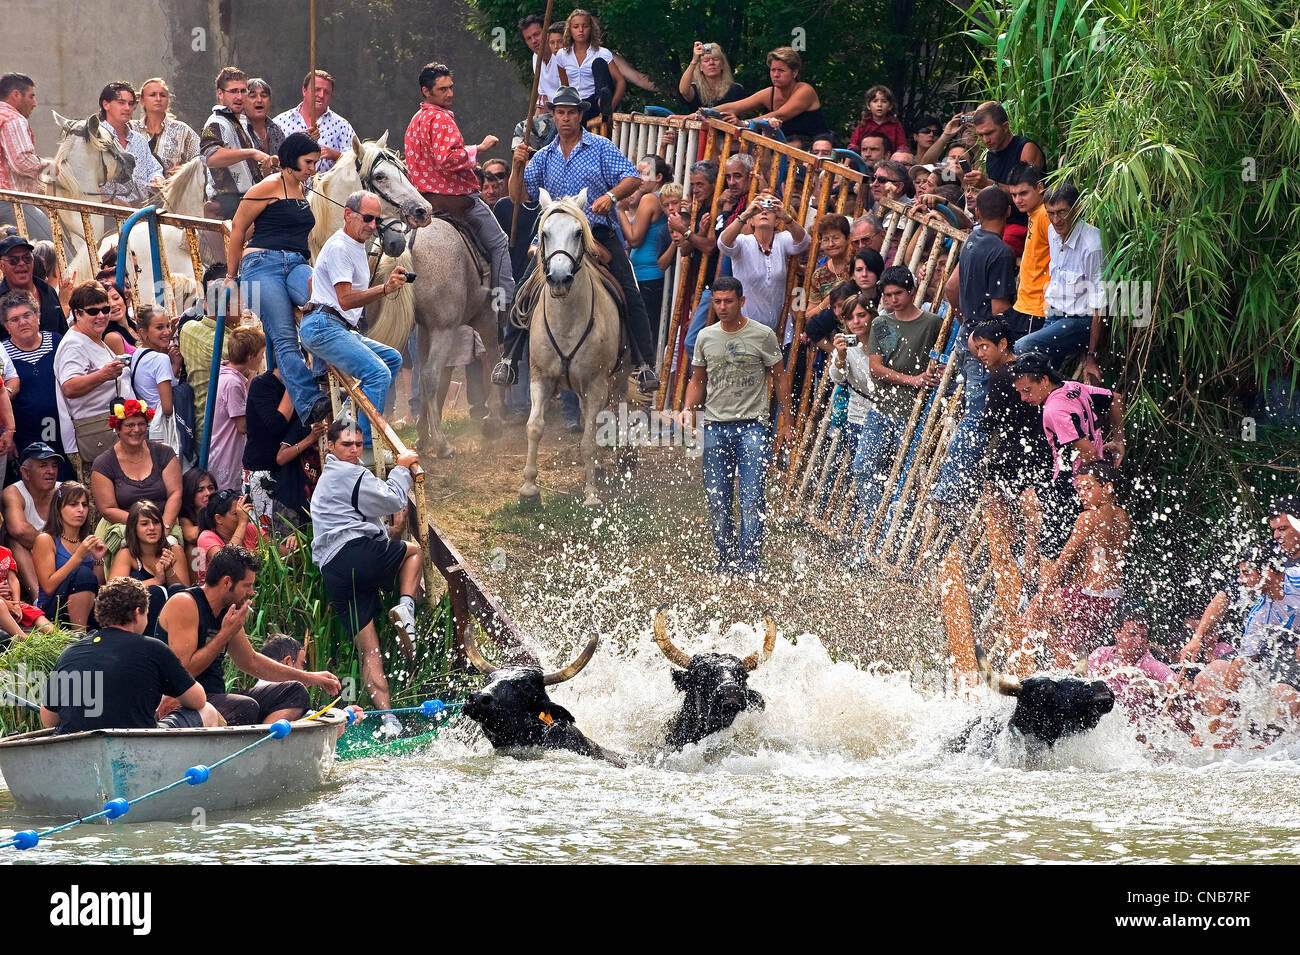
<point x="212" y="679"/>
<point x="998" y="166"/>
<point x="807" y="124"/>
<point x="283" y="225"/>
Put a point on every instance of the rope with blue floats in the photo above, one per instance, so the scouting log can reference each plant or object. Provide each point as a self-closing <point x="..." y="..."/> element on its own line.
<point x="119" y="807"/>
<point x="356" y="744"/>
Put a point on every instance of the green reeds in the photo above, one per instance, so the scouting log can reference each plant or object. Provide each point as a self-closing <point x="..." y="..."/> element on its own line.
<point x="22" y="667"/>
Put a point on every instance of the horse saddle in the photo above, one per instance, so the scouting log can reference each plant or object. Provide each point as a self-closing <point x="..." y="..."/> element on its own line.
<point x="452" y="209"/>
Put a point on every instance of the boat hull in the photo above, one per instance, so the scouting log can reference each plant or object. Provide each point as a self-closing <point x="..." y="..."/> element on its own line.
<point x="75" y="774"/>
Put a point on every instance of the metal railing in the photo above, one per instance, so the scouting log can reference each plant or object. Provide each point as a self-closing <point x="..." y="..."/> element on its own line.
<point x="86" y="211"/>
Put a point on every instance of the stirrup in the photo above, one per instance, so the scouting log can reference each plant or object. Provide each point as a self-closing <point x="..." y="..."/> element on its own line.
<point x="505" y="373"/>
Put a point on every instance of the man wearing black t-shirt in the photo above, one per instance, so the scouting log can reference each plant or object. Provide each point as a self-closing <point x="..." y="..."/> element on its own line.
<point x="115" y="679"/>
<point x="1005" y="152"/>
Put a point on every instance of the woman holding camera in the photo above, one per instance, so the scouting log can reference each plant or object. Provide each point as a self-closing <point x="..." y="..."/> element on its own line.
<point x="89" y="375"/>
<point x="707" y="79"/>
<point x="759" y="260"/>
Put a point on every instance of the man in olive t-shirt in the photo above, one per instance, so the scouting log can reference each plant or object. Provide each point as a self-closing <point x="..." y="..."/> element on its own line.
<point x="734" y="361"/>
<point x="899" y="349"/>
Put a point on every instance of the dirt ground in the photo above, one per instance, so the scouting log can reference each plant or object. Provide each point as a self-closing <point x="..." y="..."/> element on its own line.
<point x="565" y="569"/>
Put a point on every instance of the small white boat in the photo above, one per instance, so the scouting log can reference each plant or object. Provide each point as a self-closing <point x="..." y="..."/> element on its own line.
<point x="73" y="775"/>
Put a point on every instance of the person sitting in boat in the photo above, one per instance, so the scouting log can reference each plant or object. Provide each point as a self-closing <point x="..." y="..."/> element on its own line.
<point x="202" y="623"/>
<point x="1082" y="588"/>
<point x="358" y="555"/>
<point x="1268" y="655"/>
<point x="116" y="678"/>
<point x="283" y="648"/>
<point x="1219" y="628"/>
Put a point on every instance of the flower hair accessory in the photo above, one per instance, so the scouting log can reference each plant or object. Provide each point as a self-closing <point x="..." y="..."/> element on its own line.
<point x="129" y="409"/>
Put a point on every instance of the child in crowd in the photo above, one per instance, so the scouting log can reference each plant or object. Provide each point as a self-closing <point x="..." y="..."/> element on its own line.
<point x="153" y="374"/>
<point x="196" y="487"/>
<point x="147" y="556"/>
<point x="16" y="616"/>
<point x="246" y="347"/>
<point x="879" y="114"/>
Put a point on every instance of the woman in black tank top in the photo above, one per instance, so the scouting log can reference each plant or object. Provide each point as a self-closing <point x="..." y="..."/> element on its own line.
<point x="268" y="254"/>
<point x="799" y="110"/>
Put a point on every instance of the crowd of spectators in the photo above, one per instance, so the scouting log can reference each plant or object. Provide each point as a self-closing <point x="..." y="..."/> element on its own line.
<point x="98" y="387"/>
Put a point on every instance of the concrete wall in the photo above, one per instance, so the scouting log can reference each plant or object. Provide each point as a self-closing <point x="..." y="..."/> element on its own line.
<point x="374" y="49"/>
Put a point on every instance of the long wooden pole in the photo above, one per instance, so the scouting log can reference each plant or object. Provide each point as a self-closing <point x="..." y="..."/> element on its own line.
<point x="532" y="102"/>
<point x="310" y="96"/>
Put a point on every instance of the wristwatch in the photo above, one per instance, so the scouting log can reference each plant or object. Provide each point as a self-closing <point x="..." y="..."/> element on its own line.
<point x="612" y="198"/>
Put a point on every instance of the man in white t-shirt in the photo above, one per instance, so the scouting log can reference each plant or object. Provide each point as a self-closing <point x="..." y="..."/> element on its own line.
<point x="340" y="291"/>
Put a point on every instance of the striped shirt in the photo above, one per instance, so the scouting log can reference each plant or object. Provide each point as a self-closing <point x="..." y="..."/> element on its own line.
<point x="20" y="165"/>
<point x="594" y="164"/>
<point x="13" y="353"/>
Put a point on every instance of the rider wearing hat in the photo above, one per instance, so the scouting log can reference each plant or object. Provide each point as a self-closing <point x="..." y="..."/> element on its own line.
<point x="575" y="160"/>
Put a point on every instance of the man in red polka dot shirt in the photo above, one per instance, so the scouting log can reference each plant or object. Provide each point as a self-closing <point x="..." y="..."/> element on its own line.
<point x="442" y="167"/>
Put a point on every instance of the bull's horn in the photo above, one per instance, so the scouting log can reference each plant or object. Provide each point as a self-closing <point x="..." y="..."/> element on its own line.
<point x="673" y="654"/>
<point x="752" y="661"/>
<point x="1005" y="685"/>
<point x="475" y="655"/>
<point x="574" y="668"/>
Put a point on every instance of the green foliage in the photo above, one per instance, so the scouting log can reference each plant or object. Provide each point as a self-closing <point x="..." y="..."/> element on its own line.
<point x="19" y="663"/>
<point x="291" y="599"/>
<point x="846" y="47"/>
<point x="1178" y="120"/>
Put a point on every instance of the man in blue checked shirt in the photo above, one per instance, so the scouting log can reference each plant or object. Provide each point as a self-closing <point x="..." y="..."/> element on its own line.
<point x="573" y="161"/>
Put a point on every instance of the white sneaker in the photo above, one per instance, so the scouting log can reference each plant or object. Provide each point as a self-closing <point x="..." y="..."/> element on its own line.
<point x="390" y="726"/>
<point x="404" y="621"/>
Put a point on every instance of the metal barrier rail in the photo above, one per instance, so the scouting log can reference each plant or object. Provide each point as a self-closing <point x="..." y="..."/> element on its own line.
<point x="191" y="226"/>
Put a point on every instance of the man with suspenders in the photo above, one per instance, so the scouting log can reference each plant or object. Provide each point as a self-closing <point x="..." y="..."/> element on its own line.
<point x="358" y="555"/>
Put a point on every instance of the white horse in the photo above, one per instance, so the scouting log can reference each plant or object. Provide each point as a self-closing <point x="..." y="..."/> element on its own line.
<point x="574" y="331"/>
<point x="88" y="156"/>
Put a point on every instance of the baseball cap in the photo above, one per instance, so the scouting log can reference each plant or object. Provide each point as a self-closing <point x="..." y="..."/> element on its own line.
<point x="39" y="450"/>
<point x="13" y="242"/>
<point x="566" y="96"/>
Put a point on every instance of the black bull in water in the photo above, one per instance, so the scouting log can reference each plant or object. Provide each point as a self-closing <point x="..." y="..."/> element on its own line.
<point x="1047" y="708"/>
<point x="715" y="685"/>
<point x="514" y="709"/>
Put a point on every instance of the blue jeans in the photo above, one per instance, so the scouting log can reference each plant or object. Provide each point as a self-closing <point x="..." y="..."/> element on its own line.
<point x="372" y="364"/>
<point x="698" y="319"/>
<point x="735" y="453"/>
<point x="881" y="435"/>
<point x="1063" y="337"/>
<point x="967" y="446"/>
<point x="280" y="281"/>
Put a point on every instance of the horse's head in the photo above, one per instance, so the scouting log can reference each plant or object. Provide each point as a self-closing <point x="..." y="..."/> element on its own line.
<point x="90" y="154"/>
<point x="382" y="172"/>
<point x="563" y="239"/>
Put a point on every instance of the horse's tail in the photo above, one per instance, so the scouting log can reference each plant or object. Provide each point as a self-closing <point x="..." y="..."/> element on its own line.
<point x="391" y="318"/>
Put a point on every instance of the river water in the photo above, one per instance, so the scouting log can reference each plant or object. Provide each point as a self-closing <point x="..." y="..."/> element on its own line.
<point x="843" y="765"/>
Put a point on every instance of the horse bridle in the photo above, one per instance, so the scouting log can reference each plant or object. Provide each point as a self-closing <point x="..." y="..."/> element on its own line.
<point x="576" y="261"/>
<point x="565" y="360"/>
<point x="100" y="150"/>
<point x="368" y="176"/>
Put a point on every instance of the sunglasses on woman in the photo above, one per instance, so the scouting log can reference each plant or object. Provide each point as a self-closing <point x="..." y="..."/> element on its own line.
<point x="95" y="310"/>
